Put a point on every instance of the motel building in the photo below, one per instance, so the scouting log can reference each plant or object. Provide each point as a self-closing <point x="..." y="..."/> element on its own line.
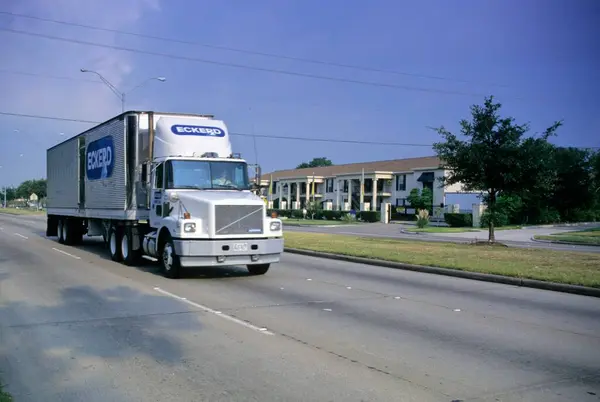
<point x="358" y="186"/>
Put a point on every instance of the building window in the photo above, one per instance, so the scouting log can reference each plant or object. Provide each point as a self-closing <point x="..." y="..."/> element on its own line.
<point x="400" y="202"/>
<point x="345" y="186"/>
<point x="329" y="186"/>
<point x="401" y="182"/>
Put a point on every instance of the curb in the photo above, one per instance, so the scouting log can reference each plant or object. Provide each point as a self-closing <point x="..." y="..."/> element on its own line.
<point x="568" y="243"/>
<point x="506" y="280"/>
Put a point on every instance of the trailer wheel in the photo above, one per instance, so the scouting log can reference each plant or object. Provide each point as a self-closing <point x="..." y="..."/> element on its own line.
<point x="114" y="244"/>
<point x="258" y="269"/>
<point x="169" y="261"/>
<point x="128" y="254"/>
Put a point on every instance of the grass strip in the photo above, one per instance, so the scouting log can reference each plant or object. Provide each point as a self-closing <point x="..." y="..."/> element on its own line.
<point x="15" y="211"/>
<point x="573" y="268"/>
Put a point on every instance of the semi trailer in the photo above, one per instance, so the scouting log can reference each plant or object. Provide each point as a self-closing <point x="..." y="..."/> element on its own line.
<point x="161" y="185"/>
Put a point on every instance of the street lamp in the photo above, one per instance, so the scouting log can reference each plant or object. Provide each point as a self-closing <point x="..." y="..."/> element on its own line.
<point x="121" y="95"/>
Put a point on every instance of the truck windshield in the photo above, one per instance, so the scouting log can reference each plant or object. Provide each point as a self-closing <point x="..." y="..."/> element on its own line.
<point x="205" y="175"/>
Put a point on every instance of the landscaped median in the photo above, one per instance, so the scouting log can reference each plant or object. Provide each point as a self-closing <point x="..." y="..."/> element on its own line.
<point x="21" y="211"/>
<point x="588" y="237"/>
<point x="562" y="267"/>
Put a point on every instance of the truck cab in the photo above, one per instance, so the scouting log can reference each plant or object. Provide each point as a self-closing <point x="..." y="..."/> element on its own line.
<point x="203" y="212"/>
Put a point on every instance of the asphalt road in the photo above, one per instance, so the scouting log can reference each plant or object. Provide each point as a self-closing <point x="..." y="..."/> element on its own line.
<point x="75" y="326"/>
<point x="513" y="238"/>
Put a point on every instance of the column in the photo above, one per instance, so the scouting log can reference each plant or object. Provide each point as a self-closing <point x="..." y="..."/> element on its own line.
<point x="289" y="197"/>
<point x="374" y="199"/>
<point x="298" y="195"/>
<point x="350" y="193"/>
<point x="362" y="194"/>
<point x="307" y="192"/>
<point x="337" y="195"/>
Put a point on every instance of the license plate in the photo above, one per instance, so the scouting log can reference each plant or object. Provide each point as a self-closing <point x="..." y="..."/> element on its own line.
<point x="240" y="246"/>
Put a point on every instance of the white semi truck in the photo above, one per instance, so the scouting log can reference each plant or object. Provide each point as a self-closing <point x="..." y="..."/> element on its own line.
<point x="162" y="185"/>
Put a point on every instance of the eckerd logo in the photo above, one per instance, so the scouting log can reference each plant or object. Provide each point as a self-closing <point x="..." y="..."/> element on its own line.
<point x="100" y="158"/>
<point x="197" y="130"/>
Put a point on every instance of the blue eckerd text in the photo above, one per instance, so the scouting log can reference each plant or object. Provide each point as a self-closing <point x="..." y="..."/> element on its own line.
<point x="100" y="158"/>
<point x="204" y="131"/>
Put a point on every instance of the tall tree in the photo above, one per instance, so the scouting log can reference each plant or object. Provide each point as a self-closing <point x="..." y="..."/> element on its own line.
<point x="574" y="190"/>
<point x="316" y="162"/>
<point x="491" y="159"/>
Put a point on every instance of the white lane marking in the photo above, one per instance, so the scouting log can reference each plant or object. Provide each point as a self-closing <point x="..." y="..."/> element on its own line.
<point x="65" y="253"/>
<point x="308" y="279"/>
<point x="327" y="309"/>
<point x="215" y="312"/>
<point x="20" y="235"/>
<point x="281" y="288"/>
<point x="397" y="297"/>
<point x="457" y="309"/>
<point x="349" y="287"/>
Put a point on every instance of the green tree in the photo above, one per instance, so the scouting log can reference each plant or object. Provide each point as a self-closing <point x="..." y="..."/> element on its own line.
<point x="491" y="159"/>
<point x="316" y="162"/>
<point x="28" y="187"/>
<point x="420" y="199"/>
<point x="574" y="188"/>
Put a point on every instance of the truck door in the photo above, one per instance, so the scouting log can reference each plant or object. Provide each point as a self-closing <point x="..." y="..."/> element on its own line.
<point x="156" y="201"/>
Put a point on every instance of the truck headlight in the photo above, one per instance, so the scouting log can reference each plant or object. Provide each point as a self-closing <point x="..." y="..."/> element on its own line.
<point x="275" y="226"/>
<point x="189" y="227"/>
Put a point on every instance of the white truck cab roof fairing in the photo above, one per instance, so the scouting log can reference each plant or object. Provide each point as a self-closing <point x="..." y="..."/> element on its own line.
<point x="191" y="137"/>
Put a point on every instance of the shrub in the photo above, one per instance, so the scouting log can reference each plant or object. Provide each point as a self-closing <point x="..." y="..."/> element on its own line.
<point x="499" y="219"/>
<point x="422" y="218"/>
<point x="403" y="217"/>
<point x="369" y="216"/>
<point x="330" y="215"/>
<point x="458" y="220"/>
<point x="348" y="218"/>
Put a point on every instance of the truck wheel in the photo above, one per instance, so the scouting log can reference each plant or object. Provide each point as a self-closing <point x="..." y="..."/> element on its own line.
<point x="129" y="256"/>
<point x="258" y="269"/>
<point x="60" y="231"/>
<point x="169" y="261"/>
<point x="114" y="244"/>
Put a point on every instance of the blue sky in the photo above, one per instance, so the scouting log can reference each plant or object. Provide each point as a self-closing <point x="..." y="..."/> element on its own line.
<point x="539" y="58"/>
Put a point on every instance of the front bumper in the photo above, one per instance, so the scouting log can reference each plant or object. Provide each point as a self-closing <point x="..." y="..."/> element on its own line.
<point x="205" y="253"/>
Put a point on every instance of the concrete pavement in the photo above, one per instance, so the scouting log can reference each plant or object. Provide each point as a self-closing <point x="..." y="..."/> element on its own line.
<point x="76" y="326"/>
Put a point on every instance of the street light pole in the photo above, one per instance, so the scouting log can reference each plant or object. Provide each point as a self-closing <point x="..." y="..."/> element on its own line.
<point x="119" y="94"/>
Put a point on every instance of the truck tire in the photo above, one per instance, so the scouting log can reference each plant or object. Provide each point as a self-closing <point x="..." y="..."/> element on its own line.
<point x="129" y="256"/>
<point x="60" y="233"/>
<point x="258" y="269"/>
<point x="114" y="244"/>
<point x="169" y="261"/>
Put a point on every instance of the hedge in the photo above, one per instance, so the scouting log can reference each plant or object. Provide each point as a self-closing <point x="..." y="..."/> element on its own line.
<point x="458" y="220"/>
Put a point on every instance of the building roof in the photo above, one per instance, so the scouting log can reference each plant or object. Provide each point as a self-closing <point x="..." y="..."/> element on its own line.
<point x="396" y="165"/>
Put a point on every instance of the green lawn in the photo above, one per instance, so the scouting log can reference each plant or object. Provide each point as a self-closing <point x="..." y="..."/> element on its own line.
<point x="316" y="222"/>
<point x="586" y="237"/>
<point x="440" y="229"/>
<point x="546" y="265"/>
<point x="21" y="211"/>
<point x="446" y="229"/>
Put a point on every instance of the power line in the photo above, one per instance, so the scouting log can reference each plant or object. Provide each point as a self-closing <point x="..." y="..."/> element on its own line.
<point x="247" y="67"/>
<point x="245" y="51"/>
<point x="56" y="77"/>
<point x="277" y="137"/>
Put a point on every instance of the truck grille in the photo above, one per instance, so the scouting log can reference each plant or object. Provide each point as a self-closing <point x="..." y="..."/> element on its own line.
<point x="238" y="219"/>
